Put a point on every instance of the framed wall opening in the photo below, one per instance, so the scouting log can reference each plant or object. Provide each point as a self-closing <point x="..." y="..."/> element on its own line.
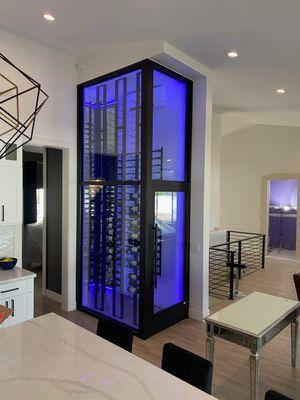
<point x="43" y="224"/>
<point x="280" y="204"/>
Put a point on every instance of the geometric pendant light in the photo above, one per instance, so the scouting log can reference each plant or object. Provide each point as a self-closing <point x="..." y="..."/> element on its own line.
<point x="21" y="99"/>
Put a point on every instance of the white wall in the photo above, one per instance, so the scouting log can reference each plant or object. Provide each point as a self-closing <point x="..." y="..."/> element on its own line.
<point x="55" y="127"/>
<point x="113" y="57"/>
<point x="246" y="157"/>
<point x="57" y="74"/>
<point x="215" y="171"/>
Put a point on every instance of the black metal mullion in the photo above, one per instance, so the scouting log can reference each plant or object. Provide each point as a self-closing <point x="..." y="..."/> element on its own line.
<point x="147" y="209"/>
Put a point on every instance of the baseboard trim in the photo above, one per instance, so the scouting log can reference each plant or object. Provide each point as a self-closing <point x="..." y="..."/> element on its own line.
<point x="53" y="296"/>
<point x="69" y="307"/>
<point x="197" y="315"/>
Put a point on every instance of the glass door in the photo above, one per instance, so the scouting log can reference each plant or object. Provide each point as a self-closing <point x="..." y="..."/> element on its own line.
<point x="168" y="249"/>
<point x="167" y="200"/>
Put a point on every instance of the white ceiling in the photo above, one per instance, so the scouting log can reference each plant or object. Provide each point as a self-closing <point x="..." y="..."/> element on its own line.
<point x="265" y="32"/>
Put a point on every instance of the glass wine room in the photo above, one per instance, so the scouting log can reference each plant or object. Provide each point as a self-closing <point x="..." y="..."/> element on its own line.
<point x="134" y="141"/>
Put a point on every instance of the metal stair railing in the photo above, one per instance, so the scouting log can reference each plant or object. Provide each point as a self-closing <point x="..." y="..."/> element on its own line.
<point x="241" y="254"/>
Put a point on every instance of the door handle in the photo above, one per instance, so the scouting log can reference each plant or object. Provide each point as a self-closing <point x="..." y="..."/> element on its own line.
<point x="13" y="307"/>
<point x="3" y="216"/>
<point x="9" y="290"/>
<point x="154" y="254"/>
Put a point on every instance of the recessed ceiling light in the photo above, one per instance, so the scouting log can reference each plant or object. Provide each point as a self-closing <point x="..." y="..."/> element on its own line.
<point x="233" y="54"/>
<point x="281" y="91"/>
<point x="49" y="17"/>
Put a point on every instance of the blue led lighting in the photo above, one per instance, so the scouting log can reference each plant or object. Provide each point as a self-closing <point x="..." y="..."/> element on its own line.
<point x="111" y="233"/>
<point x="169" y="125"/>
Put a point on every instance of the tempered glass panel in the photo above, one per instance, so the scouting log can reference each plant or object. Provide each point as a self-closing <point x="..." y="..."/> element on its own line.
<point x="112" y="129"/>
<point x="111" y="251"/>
<point x="169" y="127"/>
<point x="169" y="249"/>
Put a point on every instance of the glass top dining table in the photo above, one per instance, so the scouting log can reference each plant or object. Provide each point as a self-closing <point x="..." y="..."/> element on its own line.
<point x="252" y="322"/>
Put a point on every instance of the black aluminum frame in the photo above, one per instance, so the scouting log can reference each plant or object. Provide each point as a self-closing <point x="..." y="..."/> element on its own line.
<point x="149" y="322"/>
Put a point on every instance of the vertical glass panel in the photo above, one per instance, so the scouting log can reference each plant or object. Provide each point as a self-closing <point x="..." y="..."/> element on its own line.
<point x="169" y="127"/>
<point x="112" y="129"/>
<point x="169" y="249"/>
<point x="111" y="251"/>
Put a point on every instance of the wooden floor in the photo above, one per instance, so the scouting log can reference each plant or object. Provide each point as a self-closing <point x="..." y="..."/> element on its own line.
<point x="231" y="369"/>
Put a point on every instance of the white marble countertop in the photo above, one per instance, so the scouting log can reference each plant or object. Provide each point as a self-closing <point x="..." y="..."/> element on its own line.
<point x="255" y="313"/>
<point x="15" y="274"/>
<point x="51" y="358"/>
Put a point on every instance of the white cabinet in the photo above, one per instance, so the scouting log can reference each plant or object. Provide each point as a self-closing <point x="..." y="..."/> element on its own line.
<point x="17" y="293"/>
<point x="10" y="195"/>
<point x="22" y="306"/>
<point x="6" y="323"/>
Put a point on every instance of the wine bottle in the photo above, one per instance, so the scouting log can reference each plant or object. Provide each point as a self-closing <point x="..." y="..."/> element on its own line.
<point x="133" y="242"/>
<point x="133" y="290"/>
<point x="134" y="236"/>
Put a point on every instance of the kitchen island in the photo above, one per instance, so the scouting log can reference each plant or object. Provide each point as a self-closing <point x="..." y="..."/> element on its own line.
<point x="52" y="358"/>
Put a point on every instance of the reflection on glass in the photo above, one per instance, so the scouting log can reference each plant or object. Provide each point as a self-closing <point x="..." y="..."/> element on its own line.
<point x="169" y="127"/>
<point x="111" y="251"/>
<point x="112" y="134"/>
<point x="39" y="205"/>
<point x="169" y="249"/>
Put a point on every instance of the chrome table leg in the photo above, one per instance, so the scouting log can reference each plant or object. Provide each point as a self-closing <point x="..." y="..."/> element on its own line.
<point x="294" y="341"/>
<point x="210" y="348"/>
<point x="254" y="376"/>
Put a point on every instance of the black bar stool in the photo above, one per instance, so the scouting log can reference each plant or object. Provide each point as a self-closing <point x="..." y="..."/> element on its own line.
<point x="189" y="367"/>
<point x="115" y="333"/>
<point x="273" y="395"/>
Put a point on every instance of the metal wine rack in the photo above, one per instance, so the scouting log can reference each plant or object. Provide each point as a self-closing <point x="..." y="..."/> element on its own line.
<point x="111" y="228"/>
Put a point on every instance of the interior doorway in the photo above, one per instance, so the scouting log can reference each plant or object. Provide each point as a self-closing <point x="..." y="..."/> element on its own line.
<point x="279" y="218"/>
<point x="42" y="222"/>
<point x="33" y="214"/>
<point x="283" y="217"/>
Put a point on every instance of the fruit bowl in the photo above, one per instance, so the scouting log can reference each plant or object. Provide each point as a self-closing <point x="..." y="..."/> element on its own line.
<point x="8" y="262"/>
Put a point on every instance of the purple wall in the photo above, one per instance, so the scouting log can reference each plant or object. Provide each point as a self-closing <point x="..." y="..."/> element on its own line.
<point x="283" y="193"/>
